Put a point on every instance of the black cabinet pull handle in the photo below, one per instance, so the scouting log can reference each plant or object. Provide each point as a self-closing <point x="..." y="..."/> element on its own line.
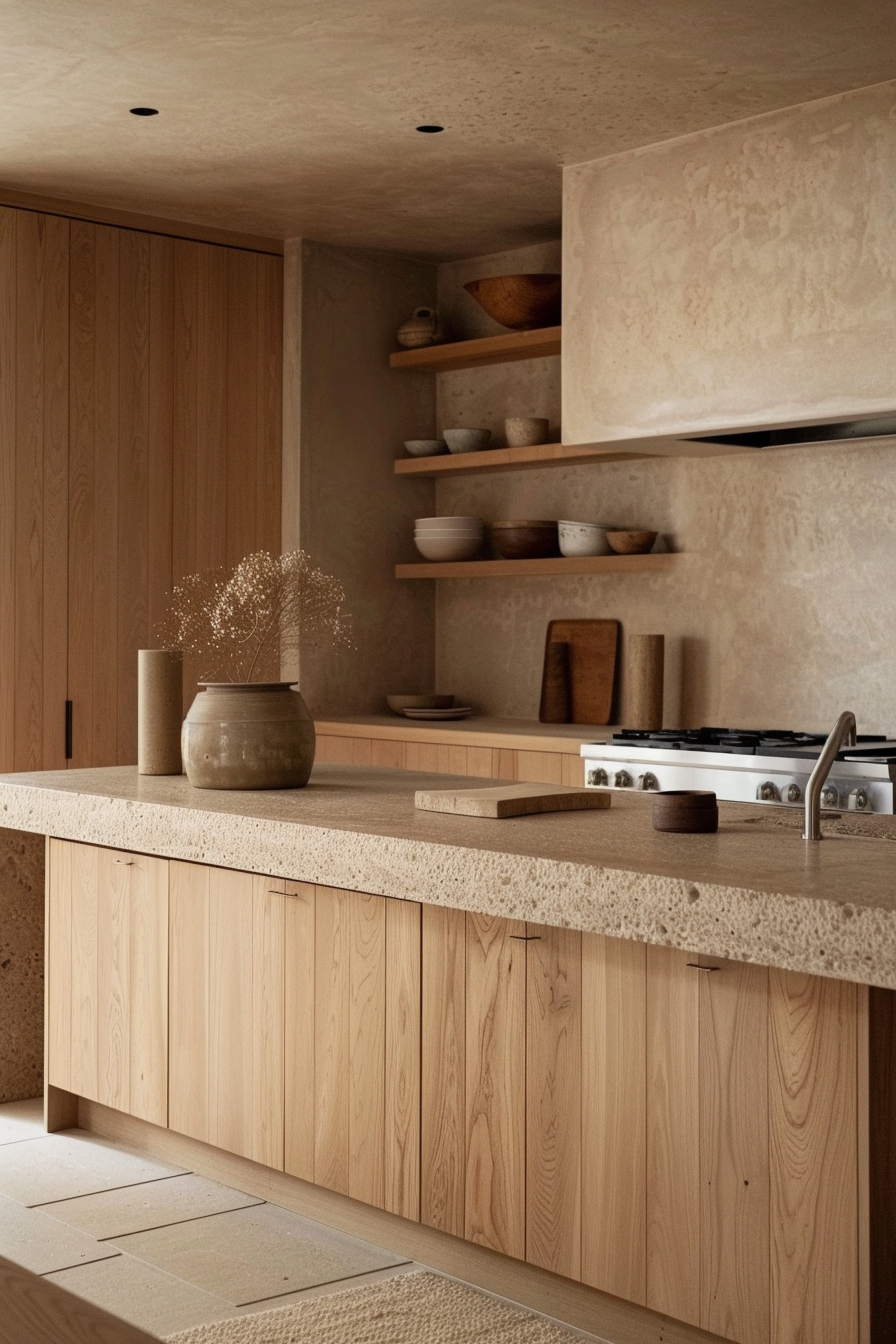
<point x="526" y="938"/>
<point x="69" y="710"/>
<point x="696" y="967"/>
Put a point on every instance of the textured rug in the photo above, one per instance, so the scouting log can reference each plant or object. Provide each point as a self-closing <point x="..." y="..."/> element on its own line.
<point x="416" y="1308"/>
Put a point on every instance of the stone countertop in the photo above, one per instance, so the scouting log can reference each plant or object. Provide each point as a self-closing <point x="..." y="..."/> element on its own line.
<point x="753" y="892"/>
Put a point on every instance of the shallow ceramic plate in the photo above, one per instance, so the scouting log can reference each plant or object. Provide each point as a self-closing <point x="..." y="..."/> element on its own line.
<point x="459" y="712"/>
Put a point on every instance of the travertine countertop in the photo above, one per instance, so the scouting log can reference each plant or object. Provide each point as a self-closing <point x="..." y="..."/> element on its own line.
<point x="754" y="891"/>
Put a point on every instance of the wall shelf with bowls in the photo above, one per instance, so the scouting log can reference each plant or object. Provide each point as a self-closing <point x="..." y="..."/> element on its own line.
<point x="652" y="563"/>
<point x="475" y="354"/>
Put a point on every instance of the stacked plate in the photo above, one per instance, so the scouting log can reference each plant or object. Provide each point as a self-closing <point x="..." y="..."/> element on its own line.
<point x="449" y="538"/>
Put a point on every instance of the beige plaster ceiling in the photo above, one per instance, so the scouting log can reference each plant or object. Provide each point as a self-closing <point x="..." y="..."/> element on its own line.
<point x="297" y="117"/>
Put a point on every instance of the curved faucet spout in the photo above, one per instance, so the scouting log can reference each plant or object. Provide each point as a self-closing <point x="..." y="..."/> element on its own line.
<point x="843" y="733"/>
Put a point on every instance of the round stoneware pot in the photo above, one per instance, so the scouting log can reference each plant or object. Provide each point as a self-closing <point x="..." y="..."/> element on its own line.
<point x="252" y="735"/>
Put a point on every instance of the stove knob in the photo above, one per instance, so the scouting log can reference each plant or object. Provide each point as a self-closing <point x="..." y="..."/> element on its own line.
<point x="648" y="782"/>
<point x="793" y="794"/>
<point x="830" y="796"/>
<point x="623" y="780"/>
<point x="860" y="800"/>
<point x="768" y="792"/>
<point x="598" y="779"/>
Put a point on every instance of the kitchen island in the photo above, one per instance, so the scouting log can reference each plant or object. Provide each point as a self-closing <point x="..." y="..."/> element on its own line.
<point x="657" y="1065"/>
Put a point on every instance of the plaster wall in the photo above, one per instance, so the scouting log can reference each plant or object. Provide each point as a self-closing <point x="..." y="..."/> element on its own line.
<point x="739" y="275"/>
<point x="345" y="429"/>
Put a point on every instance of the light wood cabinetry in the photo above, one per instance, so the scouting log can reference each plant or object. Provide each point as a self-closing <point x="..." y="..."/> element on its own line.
<point x="707" y="1139"/>
<point x="486" y="762"/>
<point x="139" y="441"/>
<point x="108" y="974"/>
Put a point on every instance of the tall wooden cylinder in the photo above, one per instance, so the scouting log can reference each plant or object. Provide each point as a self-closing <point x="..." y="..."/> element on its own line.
<point x="160" y="691"/>
<point x="642" y="681"/>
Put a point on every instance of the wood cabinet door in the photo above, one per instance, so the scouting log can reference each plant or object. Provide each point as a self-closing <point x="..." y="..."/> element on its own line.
<point x="227" y="1010"/>
<point x="353" y="1045"/>
<point x="107" y="1030"/>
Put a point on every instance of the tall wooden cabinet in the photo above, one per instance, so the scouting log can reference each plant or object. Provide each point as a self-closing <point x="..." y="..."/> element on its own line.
<point x="140" y="391"/>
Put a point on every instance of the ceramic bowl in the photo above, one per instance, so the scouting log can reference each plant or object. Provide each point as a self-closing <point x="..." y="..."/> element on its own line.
<point x="631" y="542"/>
<point x="520" y="302"/>
<point x="524" y="431"/>
<point x="582" y="538"/>
<point x="466" y="440"/>
<point x="448" y="548"/>
<point x="425" y="447"/>
<point x="399" y="703"/>
<point x="526" y="539"/>
<point x="422" y="523"/>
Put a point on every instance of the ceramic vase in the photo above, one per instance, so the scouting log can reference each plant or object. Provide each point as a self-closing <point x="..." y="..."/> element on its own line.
<point x="253" y="735"/>
<point x="160" y="695"/>
<point x="422" y="328"/>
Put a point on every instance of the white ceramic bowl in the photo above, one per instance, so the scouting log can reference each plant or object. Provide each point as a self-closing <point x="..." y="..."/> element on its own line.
<point x="420" y="523"/>
<point x="425" y="447"/>
<point x="448" y="548"/>
<point x="466" y="440"/>
<point x="582" y="538"/>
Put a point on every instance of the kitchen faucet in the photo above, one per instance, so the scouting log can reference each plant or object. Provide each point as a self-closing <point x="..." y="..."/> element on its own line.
<point x="843" y="732"/>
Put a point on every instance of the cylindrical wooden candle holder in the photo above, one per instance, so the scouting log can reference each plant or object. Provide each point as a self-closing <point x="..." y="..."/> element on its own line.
<point x="642" y="681"/>
<point x="160" y="713"/>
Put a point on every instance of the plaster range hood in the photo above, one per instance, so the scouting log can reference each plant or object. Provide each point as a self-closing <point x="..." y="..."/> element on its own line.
<point x="870" y="427"/>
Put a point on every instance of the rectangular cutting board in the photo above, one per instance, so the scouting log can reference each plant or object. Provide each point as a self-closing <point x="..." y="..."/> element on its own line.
<point x="510" y="800"/>
<point x="587" y="688"/>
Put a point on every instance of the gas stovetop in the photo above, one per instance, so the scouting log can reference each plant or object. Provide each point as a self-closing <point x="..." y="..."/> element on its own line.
<point x="764" y="765"/>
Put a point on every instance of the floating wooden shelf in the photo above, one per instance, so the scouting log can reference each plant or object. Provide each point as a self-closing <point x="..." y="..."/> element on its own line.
<point x="501" y="349"/>
<point x="512" y="459"/>
<point x="559" y="564"/>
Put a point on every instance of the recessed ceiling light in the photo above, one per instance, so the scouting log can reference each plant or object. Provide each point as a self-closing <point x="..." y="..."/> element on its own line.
<point x="144" y="111"/>
<point x="430" y="130"/>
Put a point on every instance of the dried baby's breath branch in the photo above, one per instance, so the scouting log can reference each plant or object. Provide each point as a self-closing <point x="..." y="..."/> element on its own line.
<point x="266" y="605"/>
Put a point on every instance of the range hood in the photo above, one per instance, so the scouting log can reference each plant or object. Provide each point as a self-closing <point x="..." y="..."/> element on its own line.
<point x="874" y="427"/>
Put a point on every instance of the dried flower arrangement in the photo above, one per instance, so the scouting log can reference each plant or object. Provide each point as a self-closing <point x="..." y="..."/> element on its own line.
<point x="266" y="607"/>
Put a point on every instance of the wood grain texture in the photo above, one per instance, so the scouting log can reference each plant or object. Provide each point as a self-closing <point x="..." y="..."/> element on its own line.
<point x="59" y="962"/>
<point x="366" y="1051"/>
<point x="8" y="342"/>
<point x="113" y="981"/>
<point x="554" y="1099"/>
<point x="266" y="1132"/>
<point x="160" y="433"/>
<point x="188" y="950"/>
<point x="538" y="456"/>
<point x="539" y="767"/>
<point x="508" y="346"/>
<point x="734" y="1175"/>
<point x="84" y="1007"/>
<point x="387" y="755"/>
<point x="876" y="1265"/>
<point x="614" y="1116"/>
<point x="148" y="989"/>
<point x="403" y="1042"/>
<point x="813" y="1150"/>
<point x="495" y="1194"/>
<point x="332" y="989"/>
<point x="510" y="800"/>
<point x="299" y="1027"/>
<point x="658" y="562"/>
<point x="443" y="1069"/>
<point x="673" y="1133"/>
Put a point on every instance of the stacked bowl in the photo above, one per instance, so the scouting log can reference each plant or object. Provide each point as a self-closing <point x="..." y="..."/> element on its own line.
<point x="449" y="538"/>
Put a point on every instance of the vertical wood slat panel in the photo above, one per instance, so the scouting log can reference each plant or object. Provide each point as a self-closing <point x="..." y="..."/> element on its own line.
<point x="402" y="1080"/>
<point x="495" y="1203"/>
<point x="59" y="965"/>
<point x="230" y="1054"/>
<point x="8" y="345"/>
<point x="133" y="450"/>
<point x="332" y="985"/>
<point x="443" y="1069"/>
<point x="211" y="412"/>
<point x="734" y="1183"/>
<point x="84" y="971"/>
<point x="240" y="402"/>
<point x="40" y="487"/>
<point x="148" y="986"/>
<point x="269" y="404"/>
<point x="554" y="1100"/>
<point x="813" y="1146"/>
<point x="673" y="1151"/>
<point x="267" y="1089"/>
<point x="188" y="1001"/>
<point x="367" y="1049"/>
<point x="113" y="980"/>
<point x="614" y="1121"/>
<point x="299" y="1097"/>
<point x="160" y="441"/>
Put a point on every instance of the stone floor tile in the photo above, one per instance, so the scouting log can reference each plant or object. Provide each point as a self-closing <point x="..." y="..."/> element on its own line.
<point x="138" y="1208"/>
<point x="21" y="1120"/>
<point x="42" y="1244"/>
<point x="63" y="1166"/>
<point x="143" y="1295"/>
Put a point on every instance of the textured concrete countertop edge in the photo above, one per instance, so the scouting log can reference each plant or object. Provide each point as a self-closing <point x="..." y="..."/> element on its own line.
<point x="818" y="937"/>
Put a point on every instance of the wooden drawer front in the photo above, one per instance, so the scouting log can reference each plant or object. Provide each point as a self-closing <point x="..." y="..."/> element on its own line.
<point x="107" y="1029"/>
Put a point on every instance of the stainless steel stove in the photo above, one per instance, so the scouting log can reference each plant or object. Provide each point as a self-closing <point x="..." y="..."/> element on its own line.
<point x="762" y="766"/>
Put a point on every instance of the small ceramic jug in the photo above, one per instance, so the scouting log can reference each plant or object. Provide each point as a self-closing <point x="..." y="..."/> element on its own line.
<point x="423" y="328"/>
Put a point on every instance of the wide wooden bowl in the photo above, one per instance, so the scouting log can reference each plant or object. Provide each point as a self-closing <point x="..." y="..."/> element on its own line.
<point x="631" y="543"/>
<point x="521" y="302"/>
<point x="693" y="811"/>
<point x="527" y="539"/>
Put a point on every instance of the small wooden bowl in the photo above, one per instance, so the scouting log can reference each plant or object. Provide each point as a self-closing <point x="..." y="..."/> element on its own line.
<point x="631" y="543"/>
<point x="693" y="811"/>
<point x="528" y="539"/>
<point x="521" y="302"/>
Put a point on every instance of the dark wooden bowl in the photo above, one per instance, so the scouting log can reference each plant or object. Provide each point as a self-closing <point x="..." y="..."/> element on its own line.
<point x="521" y="302"/>
<point x="686" y="810"/>
<point x="631" y="542"/>
<point x="530" y="539"/>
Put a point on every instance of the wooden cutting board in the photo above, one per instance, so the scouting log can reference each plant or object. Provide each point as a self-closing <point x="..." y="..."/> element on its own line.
<point x="510" y="800"/>
<point x="577" y="686"/>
